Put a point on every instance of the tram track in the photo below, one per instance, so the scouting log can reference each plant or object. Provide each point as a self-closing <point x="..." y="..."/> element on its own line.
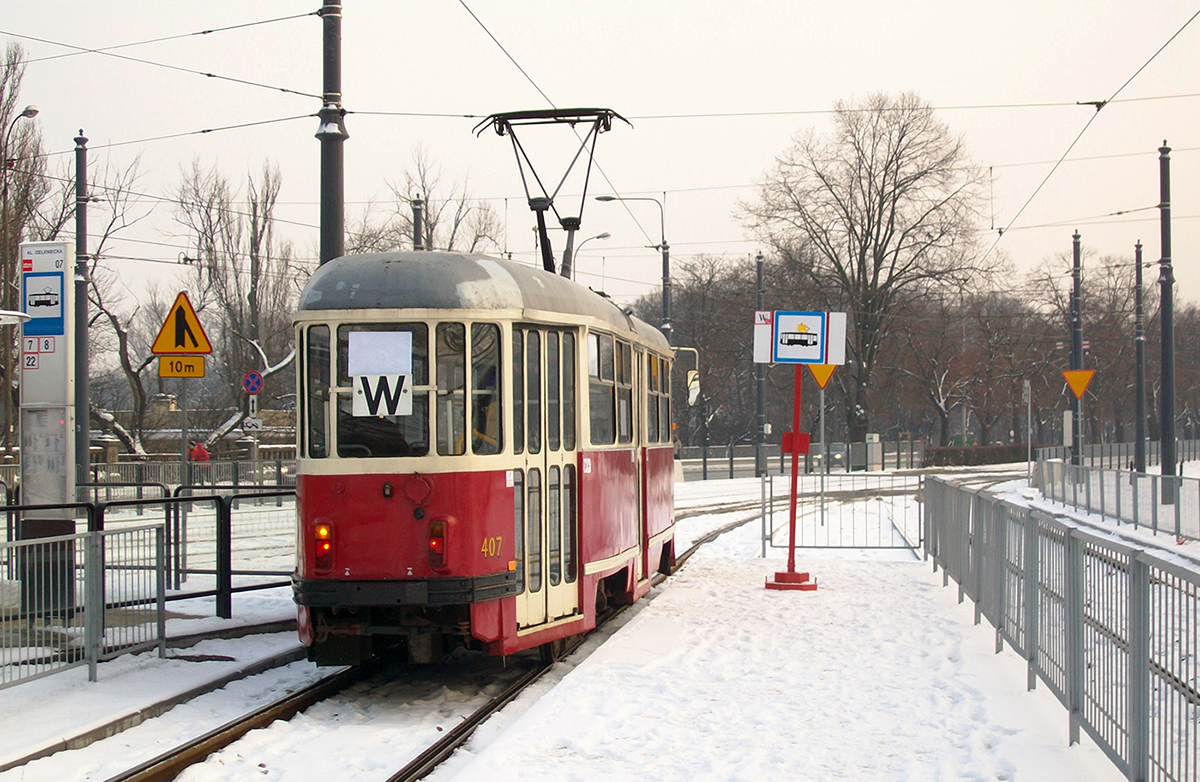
<point x="168" y="765"/>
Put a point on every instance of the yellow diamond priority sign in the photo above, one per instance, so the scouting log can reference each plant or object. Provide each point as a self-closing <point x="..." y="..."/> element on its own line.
<point x="1078" y="380"/>
<point x="181" y="333"/>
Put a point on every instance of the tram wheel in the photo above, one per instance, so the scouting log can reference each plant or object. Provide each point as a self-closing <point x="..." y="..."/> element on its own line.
<point x="552" y="652"/>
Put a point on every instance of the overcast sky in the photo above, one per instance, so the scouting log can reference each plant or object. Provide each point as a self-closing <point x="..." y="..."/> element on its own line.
<point x="1004" y="76"/>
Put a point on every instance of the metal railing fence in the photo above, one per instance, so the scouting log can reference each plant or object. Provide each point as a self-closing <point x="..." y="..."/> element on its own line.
<point x="1162" y="503"/>
<point x="1118" y="456"/>
<point x="73" y="600"/>
<point x="1109" y="627"/>
<point x="205" y="545"/>
<point x="855" y="510"/>
<point x="242" y="472"/>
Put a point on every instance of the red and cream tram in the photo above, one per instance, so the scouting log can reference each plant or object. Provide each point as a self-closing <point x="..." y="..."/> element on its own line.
<point x="484" y="456"/>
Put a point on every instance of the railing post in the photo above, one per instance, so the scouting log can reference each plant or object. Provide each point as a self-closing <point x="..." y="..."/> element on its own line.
<point x="1177" y="482"/>
<point x="1117" y="481"/>
<point x="1138" y="697"/>
<point x="982" y="536"/>
<point x="160" y="587"/>
<point x="224" y="556"/>
<point x="1001" y="569"/>
<point x="1032" y="598"/>
<point x="1154" y="503"/>
<point x="1134" y="500"/>
<point x="1073" y="597"/>
<point x="93" y="577"/>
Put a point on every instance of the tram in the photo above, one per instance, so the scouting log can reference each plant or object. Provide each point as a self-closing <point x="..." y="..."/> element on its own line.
<point x="484" y="457"/>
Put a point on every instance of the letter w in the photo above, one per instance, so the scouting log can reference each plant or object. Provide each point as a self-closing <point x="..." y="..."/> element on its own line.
<point x="382" y="391"/>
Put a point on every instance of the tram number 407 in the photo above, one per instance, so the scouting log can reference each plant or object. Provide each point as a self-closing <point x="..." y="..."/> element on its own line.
<point x="181" y="366"/>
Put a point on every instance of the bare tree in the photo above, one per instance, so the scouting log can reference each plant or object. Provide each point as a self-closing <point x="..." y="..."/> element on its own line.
<point x="451" y="218"/>
<point x="886" y="205"/>
<point x="932" y="356"/>
<point x="242" y="274"/>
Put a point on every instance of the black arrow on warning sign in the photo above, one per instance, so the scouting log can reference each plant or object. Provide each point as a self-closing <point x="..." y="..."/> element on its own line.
<point x="182" y="329"/>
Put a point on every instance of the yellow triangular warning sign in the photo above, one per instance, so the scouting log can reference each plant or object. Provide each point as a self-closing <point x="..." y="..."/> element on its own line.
<point x="821" y="373"/>
<point x="1078" y="380"/>
<point x="181" y="333"/>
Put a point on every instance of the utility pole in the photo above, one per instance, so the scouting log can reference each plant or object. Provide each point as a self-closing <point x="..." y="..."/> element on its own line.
<point x="83" y="427"/>
<point x="418" y="216"/>
<point x="1167" y="307"/>
<point x="666" y="269"/>
<point x="760" y="462"/>
<point x="1139" y="348"/>
<point x="332" y="135"/>
<point x="1076" y="349"/>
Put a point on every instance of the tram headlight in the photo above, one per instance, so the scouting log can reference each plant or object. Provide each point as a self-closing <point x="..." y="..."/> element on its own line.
<point x="323" y="545"/>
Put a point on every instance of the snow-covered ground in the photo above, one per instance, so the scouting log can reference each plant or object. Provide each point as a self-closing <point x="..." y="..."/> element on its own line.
<point x="880" y="675"/>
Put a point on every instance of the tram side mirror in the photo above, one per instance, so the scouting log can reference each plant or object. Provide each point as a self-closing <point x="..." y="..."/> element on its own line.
<point x="693" y="384"/>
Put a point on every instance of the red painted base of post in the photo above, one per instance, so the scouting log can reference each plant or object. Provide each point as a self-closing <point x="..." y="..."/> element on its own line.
<point x="795" y="444"/>
<point x="786" y="580"/>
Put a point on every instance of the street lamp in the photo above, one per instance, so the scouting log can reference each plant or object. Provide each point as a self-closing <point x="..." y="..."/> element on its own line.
<point x="666" y="256"/>
<point x="6" y="272"/>
<point x="569" y="271"/>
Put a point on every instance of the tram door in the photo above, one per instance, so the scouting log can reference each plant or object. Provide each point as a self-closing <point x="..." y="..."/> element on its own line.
<point x="545" y="438"/>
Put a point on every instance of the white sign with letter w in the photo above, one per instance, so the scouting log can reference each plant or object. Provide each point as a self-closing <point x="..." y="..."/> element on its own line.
<point x="382" y="395"/>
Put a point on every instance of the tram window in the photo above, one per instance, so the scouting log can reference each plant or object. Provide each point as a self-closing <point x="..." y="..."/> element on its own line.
<point x="519" y="527"/>
<point x="316" y="403"/>
<point x="652" y="399"/>
<point x="451" y="378"/>
<point x="568" y="392"/>
<point x="384" y="435"/>
<point x="533" y="527"/>
<point x="533" y="385"/>
<point x="624" y="393"/>
<point x="553" y="389"/>
<point x="664" y="409"/>
<point x="518" y="363"/>
<point x="554" y="524"/>
<point x="420" y="349"/>
<point x="601" y="396"/>
<point x="485" y="389"/>
<point x="568" y="493"/>
<point x="606" y="357"/>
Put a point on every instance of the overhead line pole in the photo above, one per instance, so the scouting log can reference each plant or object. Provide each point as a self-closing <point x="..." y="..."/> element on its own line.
<point x="332" y="135"/>
<point x="1167" y="307"/>
<point x="83" y="425"/>
<point x="760" y="463"/>
<point x="1076" y="348"/>
<point x="1139" y="348"/>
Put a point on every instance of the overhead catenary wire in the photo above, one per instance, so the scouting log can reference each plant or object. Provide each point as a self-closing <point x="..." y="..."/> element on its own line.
<point x="1099" y="106"/>
<point x="168" y="66"/>
<point x="227" y="28"/>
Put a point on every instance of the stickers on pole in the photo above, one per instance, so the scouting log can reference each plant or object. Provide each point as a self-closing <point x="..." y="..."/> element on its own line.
<point x="786" y="337"/>
<point x="1078" y="380"/>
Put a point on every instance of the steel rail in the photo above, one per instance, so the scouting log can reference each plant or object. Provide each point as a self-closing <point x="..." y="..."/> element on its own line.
<point x="170" y="764"/>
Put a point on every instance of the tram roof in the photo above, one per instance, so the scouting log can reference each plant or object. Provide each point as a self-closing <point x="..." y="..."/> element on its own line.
<point x="434" y="279"/>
